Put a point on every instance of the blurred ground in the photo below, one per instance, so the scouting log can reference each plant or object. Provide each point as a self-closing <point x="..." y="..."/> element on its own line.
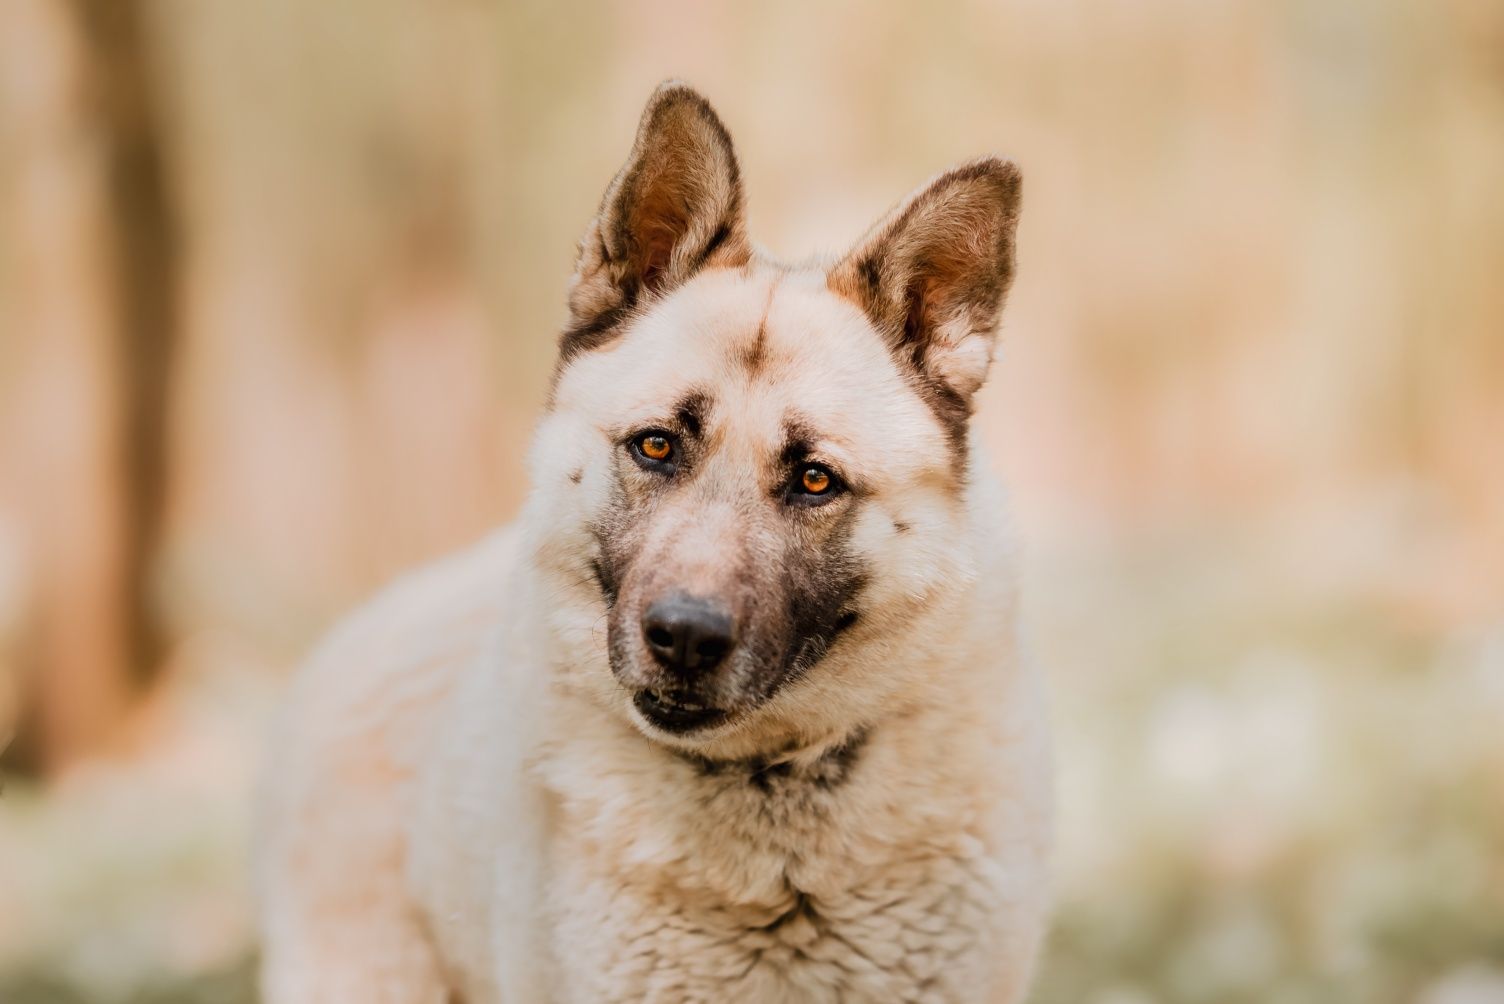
<point x="1250" y="403"/>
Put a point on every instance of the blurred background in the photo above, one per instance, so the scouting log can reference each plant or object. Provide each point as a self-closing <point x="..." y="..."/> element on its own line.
<point x="279" y="289"/>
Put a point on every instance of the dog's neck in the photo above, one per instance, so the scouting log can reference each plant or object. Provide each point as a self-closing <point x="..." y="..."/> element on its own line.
<point x="825" y="764"/>
<point x="754" y="830"/>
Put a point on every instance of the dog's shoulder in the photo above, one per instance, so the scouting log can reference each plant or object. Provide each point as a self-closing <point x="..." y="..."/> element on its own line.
<point x="433" y="605"/>
<point x="425" y="615"/>
<point x="362" y="703"/>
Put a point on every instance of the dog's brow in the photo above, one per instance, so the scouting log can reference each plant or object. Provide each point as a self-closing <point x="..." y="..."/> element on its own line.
<point x="692" y="410"/>
<point x="798" y="438"/>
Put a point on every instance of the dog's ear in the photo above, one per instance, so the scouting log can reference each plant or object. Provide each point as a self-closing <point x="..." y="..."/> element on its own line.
<point x="933" y="274"/>
<point x="674" y="208"/>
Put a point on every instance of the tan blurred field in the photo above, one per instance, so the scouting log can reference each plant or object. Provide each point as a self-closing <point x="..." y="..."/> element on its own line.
<point x="1251" y="405"/>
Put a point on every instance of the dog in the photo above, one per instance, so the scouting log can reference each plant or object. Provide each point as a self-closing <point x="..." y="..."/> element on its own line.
<point x="736" y="710"/>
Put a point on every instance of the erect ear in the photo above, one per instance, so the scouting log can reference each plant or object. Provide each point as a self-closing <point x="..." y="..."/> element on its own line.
<point x="933" y="274"/>
<point x="674" y="208"/>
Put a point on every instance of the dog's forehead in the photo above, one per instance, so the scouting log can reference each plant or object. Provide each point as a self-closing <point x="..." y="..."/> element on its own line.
<point x="763" y="349"/>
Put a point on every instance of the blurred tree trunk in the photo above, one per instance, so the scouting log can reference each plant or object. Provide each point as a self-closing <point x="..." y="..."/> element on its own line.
<point x="98" y="492"/>
<point x="142" y="232"/>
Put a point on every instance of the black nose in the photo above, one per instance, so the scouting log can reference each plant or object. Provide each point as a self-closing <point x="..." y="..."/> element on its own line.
<point x="688" y="633"/>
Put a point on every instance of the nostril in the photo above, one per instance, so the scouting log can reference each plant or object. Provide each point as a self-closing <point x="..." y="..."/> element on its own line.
<point x="659" y="637"/>
<point x="710" y="651"/>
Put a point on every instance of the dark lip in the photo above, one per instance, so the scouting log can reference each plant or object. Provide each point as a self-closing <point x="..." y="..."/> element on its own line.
<point x="676" y="716"/>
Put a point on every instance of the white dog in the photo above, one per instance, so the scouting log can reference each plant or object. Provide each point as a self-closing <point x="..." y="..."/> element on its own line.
<point x="735" y="712"/>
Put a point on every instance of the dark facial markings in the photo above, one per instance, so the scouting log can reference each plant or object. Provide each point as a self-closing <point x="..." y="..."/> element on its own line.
<point x="788" y="575"/>
<point x="808" y="482"/>
<point x="778" y="773"/>
<point x="798" y="440"/>
<point x="798" y="478"/>
<point x="692" y="411"/>
<point x="824" y="579"/>
<point x="665" y="447"/>
<point x="754" y="355"/>
<point x="606" y="582"/>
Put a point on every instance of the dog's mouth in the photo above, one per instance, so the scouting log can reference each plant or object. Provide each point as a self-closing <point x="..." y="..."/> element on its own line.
<point x="677" y="713"/>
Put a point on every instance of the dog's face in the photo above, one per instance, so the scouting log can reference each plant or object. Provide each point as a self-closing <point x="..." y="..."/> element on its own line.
<point x="757" y="473"/>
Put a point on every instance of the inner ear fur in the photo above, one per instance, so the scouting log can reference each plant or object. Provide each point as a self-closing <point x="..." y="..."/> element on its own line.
<point x="673" y="209"/>
<point x="933" y="274"/>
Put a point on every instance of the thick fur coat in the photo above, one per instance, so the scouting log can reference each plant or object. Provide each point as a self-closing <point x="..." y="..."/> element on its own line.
<point x="735" y="711"/>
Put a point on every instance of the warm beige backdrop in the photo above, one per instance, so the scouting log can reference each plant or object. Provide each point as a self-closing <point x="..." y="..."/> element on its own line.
<point x="1251" y="402"/>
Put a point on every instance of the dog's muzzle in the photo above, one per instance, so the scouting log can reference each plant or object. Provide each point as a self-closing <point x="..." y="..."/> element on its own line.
<point x="688" y="637"/>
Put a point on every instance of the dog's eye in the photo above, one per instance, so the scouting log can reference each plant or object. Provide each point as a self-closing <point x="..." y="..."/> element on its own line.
<point x="656" y="447"/>
<point x="813" y="484"/>
<point x="655" y="450"/>
<point x="815" y="480"/>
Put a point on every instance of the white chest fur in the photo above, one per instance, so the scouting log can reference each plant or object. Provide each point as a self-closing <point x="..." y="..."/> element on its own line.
<point x="838" y="876"/>
<point x="919" y="930"/>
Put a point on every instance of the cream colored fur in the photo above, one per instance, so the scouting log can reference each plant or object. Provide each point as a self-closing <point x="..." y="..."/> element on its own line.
<point x="464" y="806"/>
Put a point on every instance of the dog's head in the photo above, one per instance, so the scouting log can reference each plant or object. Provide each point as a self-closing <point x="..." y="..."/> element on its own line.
<point x="753" y="476"/>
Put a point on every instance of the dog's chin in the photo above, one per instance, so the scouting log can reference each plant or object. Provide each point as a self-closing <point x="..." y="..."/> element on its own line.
<point x="681" y="715"/>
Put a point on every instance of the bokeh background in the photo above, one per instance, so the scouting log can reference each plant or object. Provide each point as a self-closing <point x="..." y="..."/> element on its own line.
<point x="279" y="289"/>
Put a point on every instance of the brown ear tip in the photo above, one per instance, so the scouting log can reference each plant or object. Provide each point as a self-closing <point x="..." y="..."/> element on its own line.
<point x="1001" y="179"/>
<point x="675" y="92"/>
<point x="673" y="84"/>
<point x="676" y="102"/>
<point x="998" y="170"/>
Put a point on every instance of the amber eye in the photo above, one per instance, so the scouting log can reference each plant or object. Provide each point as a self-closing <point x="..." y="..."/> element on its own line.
<point x="813" y="484"/>
<point x="655" y="447"/>
<point x="655" y="451"/>
<point x="815" y="480"/>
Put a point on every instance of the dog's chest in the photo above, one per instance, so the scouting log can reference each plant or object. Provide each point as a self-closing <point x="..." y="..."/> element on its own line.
<point x="919" y="933"/>
<point x="764" y="893"/>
